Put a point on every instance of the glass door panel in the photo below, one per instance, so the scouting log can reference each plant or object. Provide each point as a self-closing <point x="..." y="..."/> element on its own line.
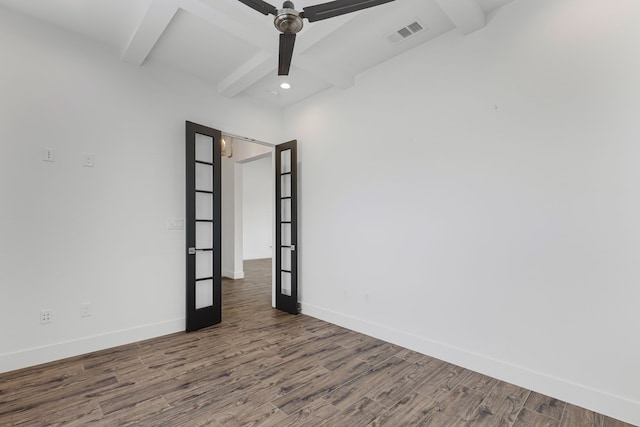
<point x="203" y="207"/>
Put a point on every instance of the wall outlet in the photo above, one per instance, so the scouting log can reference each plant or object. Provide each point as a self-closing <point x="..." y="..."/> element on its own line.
<point x="46" y="316"/>
<point x="48" y="154"/>
<point x="85" y="309"/>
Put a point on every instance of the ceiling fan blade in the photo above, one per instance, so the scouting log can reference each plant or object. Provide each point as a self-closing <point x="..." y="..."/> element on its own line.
<point x="337" y="8"/>
<point x="261" y="6"/>
<point x="286" y="53"/>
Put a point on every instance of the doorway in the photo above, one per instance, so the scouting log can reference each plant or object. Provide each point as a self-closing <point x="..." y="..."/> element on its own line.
<point x="247" y="206"/>
<point x="279" y="181"/>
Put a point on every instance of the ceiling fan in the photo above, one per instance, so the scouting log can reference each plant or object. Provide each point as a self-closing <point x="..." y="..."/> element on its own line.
<point x="289" y="21"/>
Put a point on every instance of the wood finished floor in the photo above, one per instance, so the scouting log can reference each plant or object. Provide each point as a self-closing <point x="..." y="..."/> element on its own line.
<point x="261" y="367"/>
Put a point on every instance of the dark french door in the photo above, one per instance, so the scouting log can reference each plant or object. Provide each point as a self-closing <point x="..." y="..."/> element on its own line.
<point x="203" y="227"/>
<point x="286" y="264"/>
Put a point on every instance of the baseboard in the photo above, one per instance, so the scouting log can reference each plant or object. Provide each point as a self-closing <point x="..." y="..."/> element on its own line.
<point x="49" y="353"/>
<point x="614" y="406"/>
<point x="233" y="274"/>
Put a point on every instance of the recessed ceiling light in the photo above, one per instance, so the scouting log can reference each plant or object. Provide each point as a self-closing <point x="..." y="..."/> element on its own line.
<point x="285" y="85"/>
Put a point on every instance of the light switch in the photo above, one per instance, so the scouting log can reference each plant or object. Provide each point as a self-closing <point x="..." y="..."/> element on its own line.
<point x="175" y="224"/>
<point x="87" y="160"/>
<point x="48" y="154"/>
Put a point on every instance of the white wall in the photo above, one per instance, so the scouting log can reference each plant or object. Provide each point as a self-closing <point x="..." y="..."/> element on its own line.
<point x="476" y="199"/>
<point x="71" y="234"/>
<point x="232" y="266"/>
<point x="245" y="151"/>
<point x="257" y="206"/>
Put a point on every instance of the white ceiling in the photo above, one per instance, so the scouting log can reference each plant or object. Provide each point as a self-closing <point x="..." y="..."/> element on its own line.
<point x="235" y="48"/>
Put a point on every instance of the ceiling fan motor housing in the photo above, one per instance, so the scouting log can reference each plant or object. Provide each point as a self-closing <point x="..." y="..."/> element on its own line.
<point x="288" y="20"/>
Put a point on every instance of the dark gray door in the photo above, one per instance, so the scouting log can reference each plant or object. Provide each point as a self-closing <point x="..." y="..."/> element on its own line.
<point x="286" y="265"/>
<point x="203" y="227"/>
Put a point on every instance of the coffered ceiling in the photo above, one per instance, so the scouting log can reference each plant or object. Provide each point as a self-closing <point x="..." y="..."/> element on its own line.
<point x="235" y="49"/>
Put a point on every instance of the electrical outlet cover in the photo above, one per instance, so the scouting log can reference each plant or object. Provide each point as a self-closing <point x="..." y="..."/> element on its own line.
<point x="46" y="316"/>
<point x="85" y="309"/>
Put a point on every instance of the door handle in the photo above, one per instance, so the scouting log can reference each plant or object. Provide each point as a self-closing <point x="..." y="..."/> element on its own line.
<point x="292" y="247"/>
<point x="192" y="251"/>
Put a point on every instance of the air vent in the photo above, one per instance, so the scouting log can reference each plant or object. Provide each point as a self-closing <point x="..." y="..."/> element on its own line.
<point x="405" y="32"/>
<point x="415" y="27"/>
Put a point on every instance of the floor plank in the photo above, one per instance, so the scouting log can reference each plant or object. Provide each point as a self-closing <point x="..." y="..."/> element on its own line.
<point x="575" y="416"/>
<point x="529" y="418"/>
<point x="545" y="405"/>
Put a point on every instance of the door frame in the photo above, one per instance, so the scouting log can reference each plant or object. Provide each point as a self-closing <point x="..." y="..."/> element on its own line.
<point x="273" y="207"/>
